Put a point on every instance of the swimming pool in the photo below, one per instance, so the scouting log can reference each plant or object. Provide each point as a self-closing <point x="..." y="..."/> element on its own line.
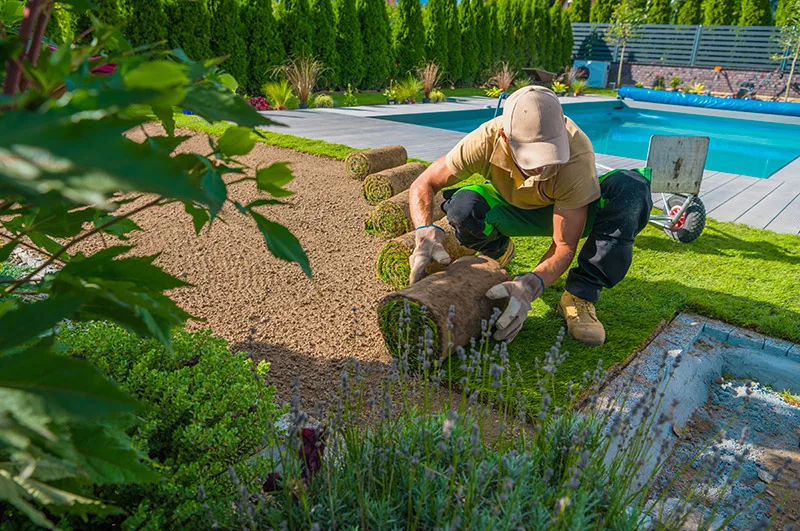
<point x="746" y="147"/>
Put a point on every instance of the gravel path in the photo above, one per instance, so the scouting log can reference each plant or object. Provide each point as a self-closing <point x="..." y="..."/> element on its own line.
<point x="266" y="306"/>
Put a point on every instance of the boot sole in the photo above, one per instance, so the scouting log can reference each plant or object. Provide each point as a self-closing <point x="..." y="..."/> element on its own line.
<point x="560" y="311"/>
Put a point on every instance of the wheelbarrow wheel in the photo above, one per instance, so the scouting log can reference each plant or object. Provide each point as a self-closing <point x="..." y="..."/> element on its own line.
<point x="691" y="224"/>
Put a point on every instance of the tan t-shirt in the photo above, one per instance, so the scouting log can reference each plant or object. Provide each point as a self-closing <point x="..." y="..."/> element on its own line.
<point x="570" y="185"/>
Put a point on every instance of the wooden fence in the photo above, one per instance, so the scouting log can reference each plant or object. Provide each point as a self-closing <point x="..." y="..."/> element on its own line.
<point x="746" y="47"/>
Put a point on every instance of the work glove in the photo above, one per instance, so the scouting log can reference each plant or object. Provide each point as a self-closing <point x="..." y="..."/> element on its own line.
<point x="520" y="292"/>
<point x="428" y="247"/>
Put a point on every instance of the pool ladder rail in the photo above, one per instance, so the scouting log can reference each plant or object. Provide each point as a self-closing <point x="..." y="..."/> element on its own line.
<point x="503" y="95"/>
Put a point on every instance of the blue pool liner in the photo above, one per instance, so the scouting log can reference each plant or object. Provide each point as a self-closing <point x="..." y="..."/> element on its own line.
<point x="711" y="102"/>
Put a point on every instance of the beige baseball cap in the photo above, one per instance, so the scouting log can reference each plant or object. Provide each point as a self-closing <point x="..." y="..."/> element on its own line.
<point x="533" y="122"/>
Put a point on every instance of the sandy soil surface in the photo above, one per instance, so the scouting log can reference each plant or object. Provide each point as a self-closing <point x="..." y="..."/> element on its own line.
<point x="266" y="306"/>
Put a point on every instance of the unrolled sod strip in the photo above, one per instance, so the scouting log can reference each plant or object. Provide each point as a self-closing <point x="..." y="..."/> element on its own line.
<point x="359" y="164"/>
<point x="382" y="185"/>
<point x="392" y="217"/>
<point x="392" y="265"/>
<point x="463" y="285"/>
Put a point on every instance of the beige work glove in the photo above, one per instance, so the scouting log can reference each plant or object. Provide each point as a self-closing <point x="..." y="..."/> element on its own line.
<point x="428" y="247"/>
<point x="520" y="292"/>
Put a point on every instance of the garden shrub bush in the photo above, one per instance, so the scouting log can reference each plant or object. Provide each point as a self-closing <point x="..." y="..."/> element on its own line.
<point x="349" y="45"/>
<point x="324" y="42"/>
<point x="206" y="410"/>
<point x="322" y="101"/>
<point x="264" y="45"/>
<point x="376" y="36"/>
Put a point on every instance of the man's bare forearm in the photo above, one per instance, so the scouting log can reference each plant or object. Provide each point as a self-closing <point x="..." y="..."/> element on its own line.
<point x="424" y="188"/>
<point x="554" y="263"/>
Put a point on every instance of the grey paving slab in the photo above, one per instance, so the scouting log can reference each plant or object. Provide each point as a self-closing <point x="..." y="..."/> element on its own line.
<point x="762" y="213"/>
<point x="734" y="208"/>
<point x="788" y="221"/>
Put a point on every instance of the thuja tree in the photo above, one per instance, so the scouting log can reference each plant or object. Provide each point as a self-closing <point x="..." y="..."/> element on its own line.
<point x="556" y="42"/>
<point x="483" y="31"/>
<point x="455" y="61"/>
<point x="785" y="12"/>
<point x="660" y="12"/>
<point x="348" y="44"/>
<point x="264" y="45"/>
<point x="227" y="32"/>
<point x="469" y="41"/>
<point x="579" y="10"/>
<point x="541" y="25"/>
<point x="69" y="173"/>
<point x="436" y="38"/>
<point x="190" y="27"/>
<point x="376" y="37"/>
<point x="324" y="43"/>
<point x="409" y="36"/>
<point x="567" y="38"/>
<point x="755" y="13"/>
<point x="294" y="21"/>
<point x="147" y="22"/>
<point x="601" y="11"/>
<point x="625" y="25"/>
<point x="790" y="37"/>
<point x="718" y="12"/>
<point x="690" y="12"/>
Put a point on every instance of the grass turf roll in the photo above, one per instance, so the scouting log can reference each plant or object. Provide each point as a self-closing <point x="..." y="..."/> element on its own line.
<point x="392" y="265"/>
<point x="359" y="164"/>
<point x="382" y="185"/>
<point x="392" y="217"/>
<point x="463" y="285"/>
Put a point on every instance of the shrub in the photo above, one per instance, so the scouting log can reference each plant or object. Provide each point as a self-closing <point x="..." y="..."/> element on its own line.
<point x="695" y="88"/>
<point x="350" y="99"/>
<point x="718" y="12"/>
<point x="430" y="76"/>
<point x="493" y="92"/>
<point x="259" y="103"/>
<point x="264" y="45"/>
<point x="659" y="82"/>
<point x="690" y="12"/>
<point x="437" y="96"/>
<point x="755" y="13"/>
<point x="470" y="52"/>
<point x="376" y="37"/>
<point x="189" y="27"/>
<point x="349" y="45"/>
<point x="578" y="87"/>
<point x="579" y="10"/>
<point x="278" y="93"/>
<point x="659" y="12"/>
<point x="409" y="36"/>
<point x="324" y="42"/>
<point x="503" y="78"/>
<point x="455" y="60"/>
<point x="638" y="84"/>
<point x="147" y="23"/>
<point x="675" y="82"/>
<point x="205" y="410"/>
<point x="601" y="11"/>
<point x="322" y="101"/>
<point x="407" y="89"/>
<point x="559" y="87"/>
<point x="520" y="83"/>
<point x="303" y="73"/>
<point x="294" y="21"/>
<point x="436" y="33"/>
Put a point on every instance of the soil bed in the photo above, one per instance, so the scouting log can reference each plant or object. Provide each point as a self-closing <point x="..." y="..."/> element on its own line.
<point x="304" y="327"/>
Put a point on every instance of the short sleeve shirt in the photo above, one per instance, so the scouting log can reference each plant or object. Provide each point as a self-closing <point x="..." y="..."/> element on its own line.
<point x="570" y="185"/>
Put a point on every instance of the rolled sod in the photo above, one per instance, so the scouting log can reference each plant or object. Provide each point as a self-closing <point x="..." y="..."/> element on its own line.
<point x="463" y="285"/>
<point x="392" y="265"/>
<point x="382" y="185"/>
<point x="359" y="164"/>
<point x="392" y="217"/>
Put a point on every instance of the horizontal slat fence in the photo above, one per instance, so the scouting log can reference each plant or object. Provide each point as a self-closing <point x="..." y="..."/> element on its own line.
<point x="748" y="47"/>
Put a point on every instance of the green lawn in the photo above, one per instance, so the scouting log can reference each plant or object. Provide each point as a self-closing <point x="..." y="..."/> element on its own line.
<point x="746" y="277"/>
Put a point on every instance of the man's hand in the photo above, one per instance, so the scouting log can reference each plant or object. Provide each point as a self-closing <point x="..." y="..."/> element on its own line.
<point x="428" y="247"/>
<point x="521" y="292"/>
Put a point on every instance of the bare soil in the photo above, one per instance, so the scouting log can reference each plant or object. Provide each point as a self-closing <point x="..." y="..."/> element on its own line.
<point x="267" y="307"/>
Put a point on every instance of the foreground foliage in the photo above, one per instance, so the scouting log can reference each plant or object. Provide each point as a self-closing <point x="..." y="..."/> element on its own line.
<point x="64" y="167"/>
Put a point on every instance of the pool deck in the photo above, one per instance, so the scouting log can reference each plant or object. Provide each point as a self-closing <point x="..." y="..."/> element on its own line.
<point x="772" y="203"/>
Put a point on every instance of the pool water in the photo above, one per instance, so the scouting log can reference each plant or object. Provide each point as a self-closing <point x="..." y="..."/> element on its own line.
<point x="745" y="147"/>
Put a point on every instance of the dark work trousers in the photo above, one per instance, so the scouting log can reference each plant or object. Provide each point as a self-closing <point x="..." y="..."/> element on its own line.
<point x="484" y="221"/>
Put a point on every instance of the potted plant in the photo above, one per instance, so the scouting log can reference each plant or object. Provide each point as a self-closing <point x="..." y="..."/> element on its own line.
<point x="559" y="88"/>
<point x="303" y="72"/>
<point x="674" y="83"/>
<point x="437" y="96"/>
<point x="430" y="76"/>
<point x="578" y="87"/>
<point x="407" y="90"/>
<point x="390" y="94"/>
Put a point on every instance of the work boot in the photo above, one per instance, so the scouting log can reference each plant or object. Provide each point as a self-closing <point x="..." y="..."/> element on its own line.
<point x="582" y="322"/>
<point x="508" y="255"/>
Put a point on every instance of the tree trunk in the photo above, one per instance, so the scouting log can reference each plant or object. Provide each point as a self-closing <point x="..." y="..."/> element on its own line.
<point x="619" y="71"/>
<point x="791" y="73"/>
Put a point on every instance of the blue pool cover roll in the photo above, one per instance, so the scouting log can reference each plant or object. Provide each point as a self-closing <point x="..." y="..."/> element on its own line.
<point x="695" y="100"/>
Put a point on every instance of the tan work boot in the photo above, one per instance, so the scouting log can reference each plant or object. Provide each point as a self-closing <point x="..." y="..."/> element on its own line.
<point x="582" y="322"/>
<point x="511" y="251"/>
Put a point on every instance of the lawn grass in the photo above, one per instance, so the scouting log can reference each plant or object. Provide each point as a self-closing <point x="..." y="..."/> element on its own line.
<point x="600" y="91"/>
<point x="744" y="276"/>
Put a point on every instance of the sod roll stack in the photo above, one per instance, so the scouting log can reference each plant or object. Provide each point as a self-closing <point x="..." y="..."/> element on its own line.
<point x="463" y="285"/>
<point x="359" y="164"/>
<point x="392" y="265"/>
<point x="382" y="185"/>
<point x="392" y="217"/>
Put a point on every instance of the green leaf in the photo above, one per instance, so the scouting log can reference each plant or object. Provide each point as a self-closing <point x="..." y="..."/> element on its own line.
<point x="215" y="190"/>
<point x="227" y="81"/>
<point x="62" y="501"/>
<point x="108" y="457"/>
<point x="274" y="177"/>
<point x="66" y="384"/>
<point x="156" y="75"/>
<point x="167" y="118"/>
<point x="262" y="202"/>
<point x="199" y="216"/>
<point x="217" y="104"/>
<point x="236" y="141"/>
<point x="44" y="242"/>
<point x="281" y="242"/>
<point x="6" y="250"/>
<point x="120" y="229"/>
<point x="27" y="321"/>
<point x="11" y="492"/>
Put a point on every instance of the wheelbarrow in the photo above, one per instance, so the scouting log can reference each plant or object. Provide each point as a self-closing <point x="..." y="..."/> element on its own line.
<point x="676" y="164"/>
